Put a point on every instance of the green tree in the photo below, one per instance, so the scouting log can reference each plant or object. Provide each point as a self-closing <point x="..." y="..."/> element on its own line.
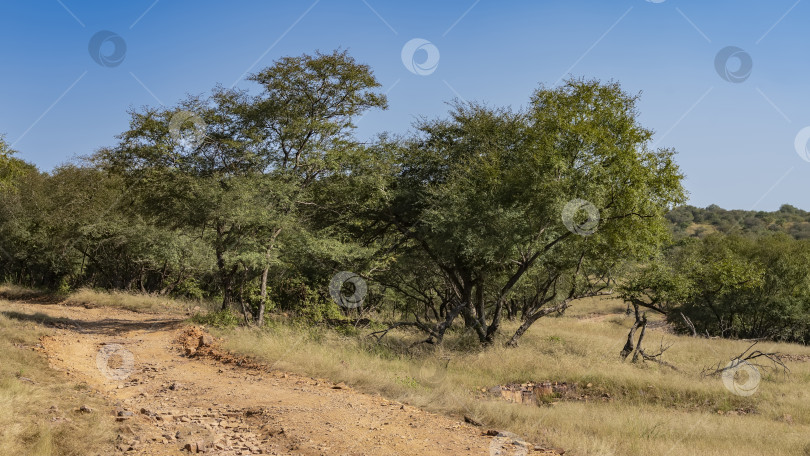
<point x="303" y="122"/>
<point x="236" y="168"/>
<point x="730" y="286"/>
<point x="481" y="194"/>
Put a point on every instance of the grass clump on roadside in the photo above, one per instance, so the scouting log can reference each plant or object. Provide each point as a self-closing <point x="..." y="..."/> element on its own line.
<point x="140" y="302"/>
<point x="38" y="409"/>
<point x="90" y="298"/>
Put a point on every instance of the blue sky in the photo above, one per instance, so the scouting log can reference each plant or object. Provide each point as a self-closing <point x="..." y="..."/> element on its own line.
<point x="735" y="139"/>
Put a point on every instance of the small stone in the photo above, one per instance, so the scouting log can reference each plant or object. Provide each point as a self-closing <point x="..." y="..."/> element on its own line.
<point x="206" y="340"/>
<point x="85" y="409"/>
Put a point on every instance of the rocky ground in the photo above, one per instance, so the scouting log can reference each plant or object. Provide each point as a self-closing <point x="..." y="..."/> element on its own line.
<point x="174" y="393"/>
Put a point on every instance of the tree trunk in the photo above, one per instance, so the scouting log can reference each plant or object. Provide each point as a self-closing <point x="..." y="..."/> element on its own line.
<point x="263" y="300"/>
<point x="531" y="318"/>
<point x="265" y="271"/>
<point x="245" y="311"/>
<point x="639" y="351"/>
<point x="225" y="275"/>
<point x="469" y="310"/>
<point x="227" y="287"/>
<point x="630" y="346"/>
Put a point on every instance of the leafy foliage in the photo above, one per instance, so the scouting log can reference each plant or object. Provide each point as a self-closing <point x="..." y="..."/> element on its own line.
<point x="731" y="286"/>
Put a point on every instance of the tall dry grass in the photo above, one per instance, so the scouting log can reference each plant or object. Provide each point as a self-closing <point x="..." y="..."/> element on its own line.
<point x="650" y="410"/>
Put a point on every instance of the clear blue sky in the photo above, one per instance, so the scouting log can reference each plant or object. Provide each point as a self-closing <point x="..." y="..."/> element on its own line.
<point x="735" y="139"/>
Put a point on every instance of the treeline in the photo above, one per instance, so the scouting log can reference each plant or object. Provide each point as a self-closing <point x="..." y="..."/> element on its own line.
<point x="698" y="222"/>
<point x="262" y="198"/>
<point x="738" y="286"/>
<point x="729" y="273"/>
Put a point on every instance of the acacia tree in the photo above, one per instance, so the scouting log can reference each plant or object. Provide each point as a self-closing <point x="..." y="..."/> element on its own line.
<point x="237" y="167"/>
<point x="481" y="194"/>
<point x="193" y="167"/>
<point x="303" y="122"/>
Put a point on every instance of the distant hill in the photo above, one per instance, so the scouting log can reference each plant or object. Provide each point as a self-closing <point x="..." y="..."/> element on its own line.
<point x="698" y="222"/>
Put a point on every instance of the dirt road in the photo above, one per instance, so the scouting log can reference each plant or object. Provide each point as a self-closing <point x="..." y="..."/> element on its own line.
<point x="169" y="403"/>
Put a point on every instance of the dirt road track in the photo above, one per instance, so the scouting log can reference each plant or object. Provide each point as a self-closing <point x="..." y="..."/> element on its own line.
<point x="172" y="404"/>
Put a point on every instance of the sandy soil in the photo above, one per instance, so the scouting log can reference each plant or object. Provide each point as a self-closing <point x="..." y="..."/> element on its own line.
<point x="177" y="394"/>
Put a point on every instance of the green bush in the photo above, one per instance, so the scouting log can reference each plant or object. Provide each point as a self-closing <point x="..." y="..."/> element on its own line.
<point x="226" y="318"/>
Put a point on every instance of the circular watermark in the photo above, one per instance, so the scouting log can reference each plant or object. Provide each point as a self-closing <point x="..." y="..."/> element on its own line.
<point x="349" y="299"/>
<point x="179" y="130"/>
<point x="741" y="377"/>
<point x="508" y="444"/>
<point x="723" y="63"/>
<point x="802" y="142"/>
<point x="425" y="66"/>
<point x="115" y="362"/>
<point x="571" y="219"/>
<point x="107" y="48"/>
<point x="430" y="372"/>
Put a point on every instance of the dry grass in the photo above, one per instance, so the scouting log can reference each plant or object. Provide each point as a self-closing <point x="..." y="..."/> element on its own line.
<point x="135" y="302"/>
<point x="651" y="410"/>
<point x="89" y="298"/>
<point x="38" y="407"/>
<point x="16" y="292"/>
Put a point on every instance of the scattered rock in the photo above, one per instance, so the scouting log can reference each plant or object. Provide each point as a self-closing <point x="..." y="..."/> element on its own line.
<point x="85" y="409"/>
<point x="206" y="340"/>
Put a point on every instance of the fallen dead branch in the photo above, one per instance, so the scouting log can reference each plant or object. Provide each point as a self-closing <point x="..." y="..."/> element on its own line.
<point x="749" y="356"/>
